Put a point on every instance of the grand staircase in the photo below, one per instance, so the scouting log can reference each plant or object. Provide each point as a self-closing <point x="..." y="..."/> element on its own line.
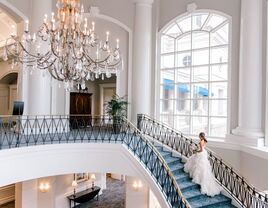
<point x="151" y="142"/>
<point x="189" y="189"/>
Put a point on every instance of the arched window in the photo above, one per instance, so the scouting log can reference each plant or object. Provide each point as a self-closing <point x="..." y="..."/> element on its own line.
<point x="193" y="74"/>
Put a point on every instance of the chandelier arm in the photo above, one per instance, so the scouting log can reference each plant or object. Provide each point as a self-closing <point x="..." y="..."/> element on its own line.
<point x="53" y="51"/>
<point x="9" y="52"/>
<point x="39" y="33"/>
<point x="96" y="62"/>
<point x="76" y="57"/>
<point x="57" y="77"/>
<point x="41" y="65"/>
<point x="111" y="65"/>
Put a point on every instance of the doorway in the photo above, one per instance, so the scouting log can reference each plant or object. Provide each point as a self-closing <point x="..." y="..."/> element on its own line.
<point x="106" y="93"/>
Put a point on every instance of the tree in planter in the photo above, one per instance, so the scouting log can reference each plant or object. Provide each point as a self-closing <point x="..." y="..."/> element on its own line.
<point x="117" y="109"/>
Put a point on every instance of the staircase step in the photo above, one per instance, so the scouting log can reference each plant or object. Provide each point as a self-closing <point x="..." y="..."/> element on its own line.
<point x="223" y="206"/>
<point x="182" y="177"/>
<point x="159" y="148"/>
<point x="193" y="194"/>
<point x="170" y="159"/>
<point x="188" y="185"/>
<point x="205" y="201"/>
<point x="191" y="190"/>
<point x="165" y="154"/>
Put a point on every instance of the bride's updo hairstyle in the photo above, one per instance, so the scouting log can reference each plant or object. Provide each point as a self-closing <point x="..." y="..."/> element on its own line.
<point x="203" y="136"/>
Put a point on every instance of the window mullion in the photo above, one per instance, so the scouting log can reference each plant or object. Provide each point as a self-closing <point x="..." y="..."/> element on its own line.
<point x="209" y="81"/>
<point x="174" y="96"/>
<point x="191" y="77"/>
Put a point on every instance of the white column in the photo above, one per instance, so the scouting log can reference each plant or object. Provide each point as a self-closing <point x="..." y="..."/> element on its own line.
<point x="266" y="107"/>
<point x="58" y="98"/>
<point x="39" y="97"/>
<point x="141" y="73"/>
<point x="249" y="130"/>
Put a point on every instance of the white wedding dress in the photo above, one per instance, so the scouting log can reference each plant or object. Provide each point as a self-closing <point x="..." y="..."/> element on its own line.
<point x="200" y="171"/>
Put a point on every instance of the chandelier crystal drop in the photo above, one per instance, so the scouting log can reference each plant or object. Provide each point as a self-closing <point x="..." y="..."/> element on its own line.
<point x="67" y="46"/>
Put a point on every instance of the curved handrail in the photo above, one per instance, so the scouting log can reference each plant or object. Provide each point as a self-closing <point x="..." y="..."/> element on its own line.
<point x="35" y="130"/>
<point x="244" y="193"/>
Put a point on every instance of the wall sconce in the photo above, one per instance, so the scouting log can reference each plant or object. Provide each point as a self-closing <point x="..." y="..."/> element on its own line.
<point x="44" y="187"/>
<point x="93" y="178"/>
<point x="137" y="185"/>
<point x="74" y="184"/>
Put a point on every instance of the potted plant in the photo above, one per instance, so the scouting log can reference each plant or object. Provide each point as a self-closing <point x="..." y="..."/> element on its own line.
<point x="117" y="109"/>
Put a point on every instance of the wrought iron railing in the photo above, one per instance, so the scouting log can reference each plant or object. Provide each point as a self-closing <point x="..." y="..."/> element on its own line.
<point x="244" y="193"/>
<point x="16" y="132"/>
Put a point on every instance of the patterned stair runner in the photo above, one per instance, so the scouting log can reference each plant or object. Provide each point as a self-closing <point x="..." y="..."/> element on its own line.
<point x="191" y="190"/>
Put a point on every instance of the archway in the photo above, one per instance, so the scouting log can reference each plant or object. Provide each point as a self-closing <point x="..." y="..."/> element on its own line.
<point x="8" y="92"/>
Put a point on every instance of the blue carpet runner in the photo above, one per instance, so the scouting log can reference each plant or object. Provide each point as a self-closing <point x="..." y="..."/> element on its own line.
<point x="189" y="189"/>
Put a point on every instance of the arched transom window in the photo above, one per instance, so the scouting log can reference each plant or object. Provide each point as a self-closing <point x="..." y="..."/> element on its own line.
<point x="193" y="74"/>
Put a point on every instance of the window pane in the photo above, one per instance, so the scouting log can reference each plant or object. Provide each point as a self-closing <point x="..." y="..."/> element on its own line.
<point x="167" y="119"/>
<point x="182" y="106"/>
<point x="166" y="107"/>
<point x="218" y="127"/>
<point x="200" y="90"/>
<point x="182" y="123"/>
<point x="167" y="44"/>
<point x="167" y="76"/>
<point x="200" y="57"/>
<point x="200" y="74"/>
<point x="214" y="21"/>
<point x="184" y="43"/>
<point x="219" y="90"/>
<point x="183" y="75"/>
<point x="200" y="40"/>
<point x="200" y="107"/>
<point x="219" y="72"/>
<point x="167" y="61"/>
<point x="219" y="55"/>
<point x="218" y="107"/>
<point x="199" y="124"/>
<point x="198" y="20"/>
<point x="185" y="24"/>
<point x="183" y="90"/>
<point x="173" y="30"/>
<point x="220" y="36"/>
<point x="167" y="91"/>
<point x="183" y="59"/>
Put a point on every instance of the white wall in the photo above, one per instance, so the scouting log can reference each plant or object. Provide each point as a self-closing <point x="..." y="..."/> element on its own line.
<point x="255" y="170"/>
<point x="136" y="198"/>
<point x="43" y="161"/>
<point x="248" y="162"/>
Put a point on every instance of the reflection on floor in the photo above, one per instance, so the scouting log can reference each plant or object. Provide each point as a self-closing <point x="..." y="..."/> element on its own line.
<point x="8" y="205"/>
<point x="112" y="197"/>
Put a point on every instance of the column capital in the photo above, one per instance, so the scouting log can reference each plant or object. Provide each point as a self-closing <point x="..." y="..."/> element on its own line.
<point x="149" y="2"/>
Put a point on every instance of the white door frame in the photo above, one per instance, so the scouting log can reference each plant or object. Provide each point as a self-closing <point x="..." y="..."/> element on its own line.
<point x="102" y="87"/>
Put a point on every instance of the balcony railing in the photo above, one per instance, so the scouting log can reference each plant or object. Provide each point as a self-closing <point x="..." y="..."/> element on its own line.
<point x="244" y="193"/>
<point x="22" y="131"/>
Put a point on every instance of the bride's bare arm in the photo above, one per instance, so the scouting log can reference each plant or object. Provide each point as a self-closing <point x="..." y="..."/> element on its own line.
<point x="200" y="148"/>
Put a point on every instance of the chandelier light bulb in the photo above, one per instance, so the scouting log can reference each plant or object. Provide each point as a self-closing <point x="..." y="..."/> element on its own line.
<point x="93" y="26"/>
<point x="117" y="43"/>
<point x="26" y="28"/>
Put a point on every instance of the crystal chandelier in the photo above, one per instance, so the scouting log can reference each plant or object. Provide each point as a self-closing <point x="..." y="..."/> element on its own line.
<point x="66" y="46"/>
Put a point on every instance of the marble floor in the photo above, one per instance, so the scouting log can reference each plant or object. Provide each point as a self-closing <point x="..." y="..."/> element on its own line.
<point x="112" y="197"/>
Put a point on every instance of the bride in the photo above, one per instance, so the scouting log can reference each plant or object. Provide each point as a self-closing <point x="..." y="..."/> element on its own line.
<point x="200" y="170"/>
